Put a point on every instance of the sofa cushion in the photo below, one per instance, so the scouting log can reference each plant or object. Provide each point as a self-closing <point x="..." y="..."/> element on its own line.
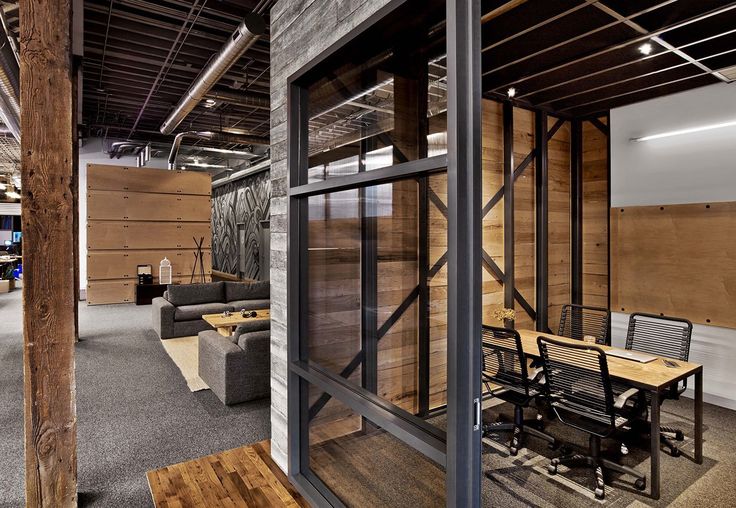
<point x="192" y="294"/>
<point x="255" y="325"/>
<point x="261" y="334"/>
<point x="247" y="291"/>
<point x="249" y="304"/>
<point x="191" y="312"/>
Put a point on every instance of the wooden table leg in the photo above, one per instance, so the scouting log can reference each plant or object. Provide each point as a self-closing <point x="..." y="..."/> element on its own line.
<point x="699" y="417"/>
<point x="654" y="453"/>
<point x="225" y="331"/>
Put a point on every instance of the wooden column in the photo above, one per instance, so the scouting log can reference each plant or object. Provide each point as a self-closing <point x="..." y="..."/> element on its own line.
<point x="47" y="127"/>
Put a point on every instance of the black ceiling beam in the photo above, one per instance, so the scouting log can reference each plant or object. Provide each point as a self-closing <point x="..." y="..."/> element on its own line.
<point x="488" y="85"/>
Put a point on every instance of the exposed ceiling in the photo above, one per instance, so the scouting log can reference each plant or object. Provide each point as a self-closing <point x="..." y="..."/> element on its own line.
<point x="141" y="56"/>
<point x="9" y="147"/>
<point x="583" y="57"/>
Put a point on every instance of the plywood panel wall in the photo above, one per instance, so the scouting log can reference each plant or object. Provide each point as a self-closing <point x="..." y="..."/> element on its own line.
<point x="678" y="260"/>
<point x="139" y="216"/>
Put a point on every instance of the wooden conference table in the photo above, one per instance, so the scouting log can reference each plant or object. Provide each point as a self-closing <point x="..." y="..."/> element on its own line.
<point x="654" y="377"/>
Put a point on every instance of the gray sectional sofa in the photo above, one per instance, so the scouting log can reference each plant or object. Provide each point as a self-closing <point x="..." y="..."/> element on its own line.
<point x="237" y="368"/>
<point x="179" y="313"/>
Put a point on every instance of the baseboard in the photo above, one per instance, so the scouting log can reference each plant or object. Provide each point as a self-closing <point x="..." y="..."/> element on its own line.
<point x="713" y="399"/>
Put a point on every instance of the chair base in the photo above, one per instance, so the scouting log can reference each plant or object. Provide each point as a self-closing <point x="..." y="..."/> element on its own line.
<point x="599" y="464"/>
<point x="671" y="442"/>
<point x="521" y="428"/>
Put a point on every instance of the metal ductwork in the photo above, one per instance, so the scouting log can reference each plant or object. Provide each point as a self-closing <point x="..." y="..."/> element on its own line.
<point x="9" y="86"/>
<point x="248" y="99"/>
<point x="251" y="28"/>
<point x="212" y="136"/>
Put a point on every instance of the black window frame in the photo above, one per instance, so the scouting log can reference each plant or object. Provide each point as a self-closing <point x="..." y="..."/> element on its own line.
<point x="459" y="450"/>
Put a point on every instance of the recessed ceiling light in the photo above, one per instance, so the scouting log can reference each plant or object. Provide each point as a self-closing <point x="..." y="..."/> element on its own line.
<point x="511" y="92"/>
<point x="645" y="48"/>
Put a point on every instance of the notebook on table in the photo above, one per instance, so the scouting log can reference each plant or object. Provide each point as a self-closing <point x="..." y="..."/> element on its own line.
<point x="628" y="354"/>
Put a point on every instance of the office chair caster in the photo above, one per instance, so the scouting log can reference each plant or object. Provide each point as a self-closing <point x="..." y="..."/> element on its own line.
<point x="552" y="467"/>
<point x="640" y="484"/>
<point x="513" y="451"/>
<point x="679" y="435"/>
<point x="600" y="486"/>
<point x="624" y="449"/>
<point x="675" y="452"/>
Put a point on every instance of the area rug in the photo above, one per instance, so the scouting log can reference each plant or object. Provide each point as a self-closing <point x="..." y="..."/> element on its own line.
<point x="184" y="351"/>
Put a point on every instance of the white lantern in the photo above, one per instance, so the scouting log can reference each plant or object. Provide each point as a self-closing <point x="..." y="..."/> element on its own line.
<point x="164" y="271"/>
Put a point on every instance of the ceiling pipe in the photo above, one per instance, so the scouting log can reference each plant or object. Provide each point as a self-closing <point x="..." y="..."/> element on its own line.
<point x="212" y="136"/>
<point x="247" y="33"/>
<point x="248" y="99"/>
<point x="9" y="86"/>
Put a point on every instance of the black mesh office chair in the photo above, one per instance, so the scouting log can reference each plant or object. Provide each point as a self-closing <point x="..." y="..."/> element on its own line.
<point x="506" y="376"/>
<point x="580" y="393"/>
<point x="577" y="321"/>
<point x="662" y="336"/>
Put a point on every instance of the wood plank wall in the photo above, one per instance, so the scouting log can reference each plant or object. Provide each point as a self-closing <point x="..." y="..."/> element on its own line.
<point x="595" y="215"/>
<point x="139" y="216"/>
<point x="559" y="222"/>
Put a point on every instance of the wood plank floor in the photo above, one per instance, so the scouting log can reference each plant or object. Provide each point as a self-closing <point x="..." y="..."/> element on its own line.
<point x="245" y="476"/>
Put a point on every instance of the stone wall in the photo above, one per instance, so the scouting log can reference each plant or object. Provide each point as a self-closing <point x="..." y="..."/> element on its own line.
<point x="300" y="31"/>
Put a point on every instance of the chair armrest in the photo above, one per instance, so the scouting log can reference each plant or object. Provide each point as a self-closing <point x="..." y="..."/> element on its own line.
<point x="536" y="374"/>
<point x="622" y="399"/>
<point x="218" y="344"/>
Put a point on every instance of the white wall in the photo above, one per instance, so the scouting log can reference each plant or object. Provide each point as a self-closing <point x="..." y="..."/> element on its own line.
<point x="91" y="153"/>
<point x="691" y="168"/>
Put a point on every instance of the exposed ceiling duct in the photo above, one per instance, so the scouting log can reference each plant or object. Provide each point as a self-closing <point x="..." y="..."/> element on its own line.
<point x="249" y="30"/>
<point x="251" y="100"/>
<point x="9" y="86"/>
<point x="212" y="136"/>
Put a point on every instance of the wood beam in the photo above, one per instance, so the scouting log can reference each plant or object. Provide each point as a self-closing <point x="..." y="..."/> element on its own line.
<point x="47" y="162"/>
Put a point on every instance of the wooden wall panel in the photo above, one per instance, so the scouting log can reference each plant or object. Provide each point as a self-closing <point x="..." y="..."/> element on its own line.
<point x="102" y="292"/>
<point x="492" y="223"/>
<point x="595" y="215"/>
<point x="103" y="265"/>
<point x="138" y="216"/>
<point x="559" y="222"/>
<point x="679" y="260"/>
<point x="117" y="235"/>
<point x="524" y="217"/>
<point x="125" y="178"/>
<point x="147" y="206"/>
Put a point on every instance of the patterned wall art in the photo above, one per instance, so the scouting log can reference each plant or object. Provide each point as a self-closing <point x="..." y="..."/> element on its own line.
<point x="240" y="204"/>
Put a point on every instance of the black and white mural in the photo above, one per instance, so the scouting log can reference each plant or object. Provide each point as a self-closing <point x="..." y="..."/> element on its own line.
<point x="238" y="209"/>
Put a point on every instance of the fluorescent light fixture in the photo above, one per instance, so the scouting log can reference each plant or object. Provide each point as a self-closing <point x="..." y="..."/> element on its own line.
<point x="691" y="130"/>
<point x="203" y="165"/>
<point x="210" y="103"/>
<point x="12" y="195"/>
<point x="645" y="48"/>
<point x="511" y="92"/>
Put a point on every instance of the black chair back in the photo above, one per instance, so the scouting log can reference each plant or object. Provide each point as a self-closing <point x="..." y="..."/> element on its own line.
<point x="504" y="362"/>
<point x="578" y="385"/>
<point x="577" y="321"/>
<point x="659" y="335"/>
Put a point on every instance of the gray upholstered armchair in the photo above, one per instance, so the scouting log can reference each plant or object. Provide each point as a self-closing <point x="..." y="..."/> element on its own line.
<point x="237" y="368"/>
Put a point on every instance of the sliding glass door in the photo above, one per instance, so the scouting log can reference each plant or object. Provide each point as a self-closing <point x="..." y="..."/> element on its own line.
<point x="384" y="261"/>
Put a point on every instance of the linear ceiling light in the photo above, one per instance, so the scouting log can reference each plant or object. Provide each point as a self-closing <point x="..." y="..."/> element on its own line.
<point x="685" y="131"/>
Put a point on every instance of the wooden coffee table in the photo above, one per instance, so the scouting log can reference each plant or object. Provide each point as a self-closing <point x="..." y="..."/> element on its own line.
<point x="226" y="325"/>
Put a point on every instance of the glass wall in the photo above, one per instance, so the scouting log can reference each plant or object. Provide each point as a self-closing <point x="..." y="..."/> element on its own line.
<point x="369" y="265"/>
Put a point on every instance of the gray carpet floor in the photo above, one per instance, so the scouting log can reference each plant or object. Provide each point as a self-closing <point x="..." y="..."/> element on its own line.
<point x="135" y="412"/>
